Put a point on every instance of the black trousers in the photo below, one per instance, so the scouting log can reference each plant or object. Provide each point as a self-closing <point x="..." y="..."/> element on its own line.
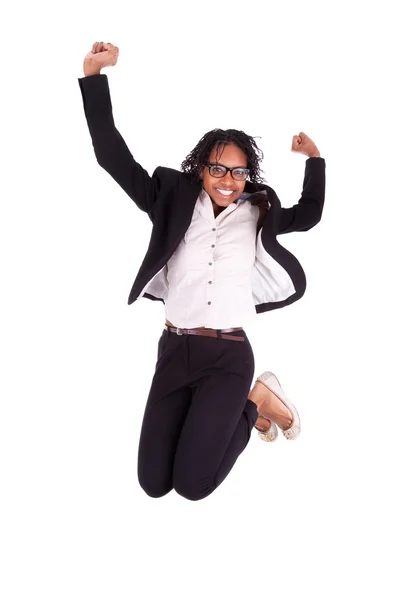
<point x="198" y="418"/>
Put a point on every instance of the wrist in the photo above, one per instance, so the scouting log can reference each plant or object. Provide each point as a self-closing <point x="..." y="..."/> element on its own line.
<point x="314" y="155"/>
<point x="90" y="69"/>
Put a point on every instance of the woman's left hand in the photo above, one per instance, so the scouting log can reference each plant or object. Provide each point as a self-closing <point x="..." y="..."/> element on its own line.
<point x="303" y="144"/>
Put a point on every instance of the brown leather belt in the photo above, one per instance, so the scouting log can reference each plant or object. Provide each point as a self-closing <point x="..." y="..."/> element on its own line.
<point x="207" y="332"/>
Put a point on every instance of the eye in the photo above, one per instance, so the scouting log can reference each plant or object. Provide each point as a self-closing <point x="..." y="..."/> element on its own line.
<point x="240" y="174"/>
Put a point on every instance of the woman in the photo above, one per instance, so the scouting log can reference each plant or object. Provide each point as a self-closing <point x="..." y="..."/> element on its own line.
<point x="214" y="261"/>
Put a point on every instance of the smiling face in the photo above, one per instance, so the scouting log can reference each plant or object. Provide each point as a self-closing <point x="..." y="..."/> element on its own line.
<point x="224" y="190"/>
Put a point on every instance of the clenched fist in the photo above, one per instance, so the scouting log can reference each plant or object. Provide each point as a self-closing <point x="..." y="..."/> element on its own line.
<point x="102" y="55"/>
<point x="303" y="144"/>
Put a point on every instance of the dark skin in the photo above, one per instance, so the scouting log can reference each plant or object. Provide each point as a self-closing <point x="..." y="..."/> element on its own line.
<point x="230" y="156"/>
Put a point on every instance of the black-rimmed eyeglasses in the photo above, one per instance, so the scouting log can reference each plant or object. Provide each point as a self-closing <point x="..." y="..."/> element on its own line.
<point x="219" y="171"/>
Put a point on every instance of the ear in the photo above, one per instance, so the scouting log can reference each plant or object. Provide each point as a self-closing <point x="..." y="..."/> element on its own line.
<point x="200" y="171"/>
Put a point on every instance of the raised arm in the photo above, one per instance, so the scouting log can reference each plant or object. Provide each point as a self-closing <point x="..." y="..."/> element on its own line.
<point x="308" y="211"/>
<point x="110" y="149"/>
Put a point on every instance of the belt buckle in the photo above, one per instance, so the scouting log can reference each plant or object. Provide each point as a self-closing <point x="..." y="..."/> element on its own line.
<point x="179" y="331"/>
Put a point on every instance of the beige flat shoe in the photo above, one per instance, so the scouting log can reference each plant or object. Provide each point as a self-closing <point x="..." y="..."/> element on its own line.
<point x="271" y="382"/>
<point x="270" y="434"/>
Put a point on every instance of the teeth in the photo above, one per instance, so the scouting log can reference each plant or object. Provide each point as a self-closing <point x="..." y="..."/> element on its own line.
<point x="226" y="192"/>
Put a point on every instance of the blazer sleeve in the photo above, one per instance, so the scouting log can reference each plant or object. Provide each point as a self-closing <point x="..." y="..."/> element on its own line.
<point x="308" y="211"/>
<point x="111" y="151"/>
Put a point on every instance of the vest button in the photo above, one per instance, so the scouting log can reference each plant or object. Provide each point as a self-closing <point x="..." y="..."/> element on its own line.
<point x="208" y="302"/>
<point x="210" y="263"/>
<point x="210" y="282"/>
<point x="212" y="245"/>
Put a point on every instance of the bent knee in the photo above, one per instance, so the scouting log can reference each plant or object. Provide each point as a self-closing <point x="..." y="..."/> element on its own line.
<point x="154" y="489"/>
<point x="194" y="489"/>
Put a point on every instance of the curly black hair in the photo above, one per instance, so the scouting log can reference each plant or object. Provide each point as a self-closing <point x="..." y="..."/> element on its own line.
<point x="218" y="138"/>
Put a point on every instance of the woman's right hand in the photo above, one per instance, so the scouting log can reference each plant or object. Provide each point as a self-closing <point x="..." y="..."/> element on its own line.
<point x="102" y="55"/>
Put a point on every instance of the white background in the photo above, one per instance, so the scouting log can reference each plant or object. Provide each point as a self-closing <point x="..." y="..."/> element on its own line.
<point x="316" y="518"/>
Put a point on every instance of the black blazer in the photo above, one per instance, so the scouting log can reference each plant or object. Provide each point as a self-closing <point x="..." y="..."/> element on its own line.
<point x="169" y="198"/>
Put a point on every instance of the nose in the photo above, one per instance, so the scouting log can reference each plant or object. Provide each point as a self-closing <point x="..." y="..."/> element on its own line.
<point x="227" y="177"/>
